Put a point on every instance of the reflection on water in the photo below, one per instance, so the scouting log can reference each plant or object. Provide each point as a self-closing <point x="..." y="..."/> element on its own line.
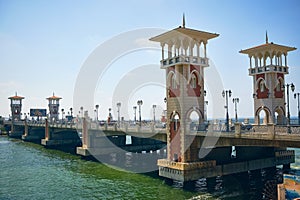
<point x="29" y="171"/>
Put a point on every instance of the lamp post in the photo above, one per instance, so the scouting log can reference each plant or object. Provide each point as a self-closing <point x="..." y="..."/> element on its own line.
<point x="154" y="106"/>
<point x="81" y="110"/>
<point x="95" y="115"/>
<point x="235" y="101"/>
<point x="62" y="114"/>
<point x="118" y="106"/>
<point x="140" y="103"/>
<point x="109" y="115"/>
<point x="97" y="108"/>
<point x="225" y="94"/>
<point x="288" y="104"/>
<point x="134" y="110"/>
<point x="71" y="110"/>
<point x="296" y="95"/>
<point x="205" y="110"/>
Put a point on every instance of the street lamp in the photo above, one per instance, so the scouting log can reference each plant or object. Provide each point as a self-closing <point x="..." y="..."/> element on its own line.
<point x="62" y="114"/>
<point x="295" y="96"/>
<point x="225" y="94"/>
<point x="154" y="106"/>
<point x="97" y="108"/>
<point x="109" y="115"/>
<point x="81" y="110"/>
<point x="71" y="110"/>
<point x="134" y="110"/>
<point x="205" y="110"/>
<point x="288" y="104"/>
<point x="140" y="103"/>
<point x="235" y="101"/>
<point x="118" y="106"/>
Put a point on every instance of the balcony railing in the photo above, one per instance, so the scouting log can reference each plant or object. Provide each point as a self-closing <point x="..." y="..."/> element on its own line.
<point x="185" y="60"/>
<point x="268" y="68"/>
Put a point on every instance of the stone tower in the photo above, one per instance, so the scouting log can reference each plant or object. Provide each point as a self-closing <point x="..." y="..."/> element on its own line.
<point x="53" y="107"/>
<point x="184" y="64"/>
<point x="268" y="67"/>
<point x="16" y="107"/>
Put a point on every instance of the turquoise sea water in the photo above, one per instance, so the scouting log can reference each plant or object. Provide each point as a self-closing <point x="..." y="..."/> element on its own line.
<point x="29" y="171"/>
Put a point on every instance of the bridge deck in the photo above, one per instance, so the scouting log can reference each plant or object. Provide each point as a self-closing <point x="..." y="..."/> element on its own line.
<point x="263" y="135"/>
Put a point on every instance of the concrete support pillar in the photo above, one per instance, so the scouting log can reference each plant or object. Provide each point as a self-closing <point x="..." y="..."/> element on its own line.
<point x="12" y="129"/>
<point x="198" y="49"/>
<point x="153" y="127"/>
<point x="280" y="192"/>
<point x="84" y="133"/>
<point x="25" y="128"/>
<point x="271" y="131"/>
<point x="162" y="51"/>
<point x="47" y="131"/>
<point x="285" y="60"/>
<point x="169" y="51"/>
<point x="237" y="129"/>
<point x="205" y="54"/>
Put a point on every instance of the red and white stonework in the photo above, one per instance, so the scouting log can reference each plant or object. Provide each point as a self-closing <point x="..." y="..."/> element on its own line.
<point x="268" y="66"/>
<point x="184" y="64"/>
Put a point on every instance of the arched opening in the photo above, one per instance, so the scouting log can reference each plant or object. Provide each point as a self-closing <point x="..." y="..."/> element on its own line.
<point x="194" y="88"/>
<point x="194" y="81"/>
<point x="175" y="139"/>
<point x="278" y="90"/>
<point x="279" y="117"/>
<point x="173" y="81"/>
<point x="267" y="58"/>
<point x="262" y="90"/>
<point x="194" y="121"/>
<point x="262" y="85"/>
<point x="279" y="85"/>
<point x="263" y="116"/>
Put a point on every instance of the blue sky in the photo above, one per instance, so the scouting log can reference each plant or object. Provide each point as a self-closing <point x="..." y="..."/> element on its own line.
<point x="43" y="44"/>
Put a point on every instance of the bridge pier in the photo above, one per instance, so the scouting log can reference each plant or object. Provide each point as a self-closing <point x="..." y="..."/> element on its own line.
<point x="103" y="142"/>
<point x="58" y="136"/>
<point x="33" y="134"/>
<point x="16" y="131"/>
<point x="219" y="167"/>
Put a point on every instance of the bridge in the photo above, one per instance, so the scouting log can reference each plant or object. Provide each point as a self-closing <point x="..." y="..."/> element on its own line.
<point x="262" y="146"/>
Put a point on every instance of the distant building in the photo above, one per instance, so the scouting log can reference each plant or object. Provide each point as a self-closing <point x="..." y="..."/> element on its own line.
<point x="16" y="107"/>
<point x="53" y="107"/>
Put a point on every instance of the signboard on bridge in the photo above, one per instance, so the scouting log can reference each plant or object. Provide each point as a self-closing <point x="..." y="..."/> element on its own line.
<point x="38" y="112"/>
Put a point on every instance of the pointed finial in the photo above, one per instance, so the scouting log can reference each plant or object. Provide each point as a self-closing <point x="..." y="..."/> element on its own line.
<point x="53" y="93"/>
<point x="16" y="94"/>
<point x="267" y="39"/>
<point x="183" y="21"/>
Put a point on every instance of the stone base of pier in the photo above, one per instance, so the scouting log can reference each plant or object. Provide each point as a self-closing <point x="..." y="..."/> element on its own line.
<point x="206" y="169"/>
<point x="16" y="134"/>
<point x="31" y="138"/>
<point x="47" y="142"/>
<point x="83" y="151"/>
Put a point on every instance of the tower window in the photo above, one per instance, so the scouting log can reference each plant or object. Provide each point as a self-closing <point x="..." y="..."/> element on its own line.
<point x="193" y="81"/>
<point x="262" y="86"/>
<point x="278" y="86"/>
<point x="173" y="82"/>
